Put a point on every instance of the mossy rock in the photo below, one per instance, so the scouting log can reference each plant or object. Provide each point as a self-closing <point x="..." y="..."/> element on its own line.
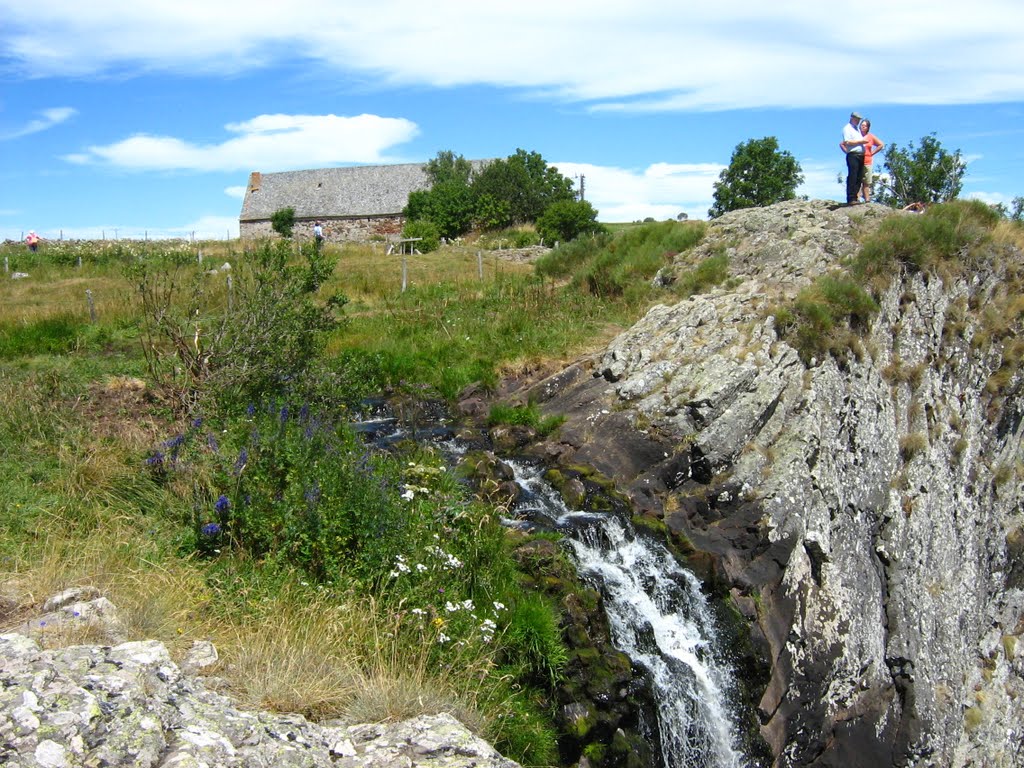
<point x="569" y="487"/>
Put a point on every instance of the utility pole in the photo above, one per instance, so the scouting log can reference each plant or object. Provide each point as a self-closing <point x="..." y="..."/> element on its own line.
<point x="583" y="185"/>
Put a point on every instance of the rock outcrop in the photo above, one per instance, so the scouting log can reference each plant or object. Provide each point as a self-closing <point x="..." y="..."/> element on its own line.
<point x="864" y="513"/>
<point x="130" y="705"/>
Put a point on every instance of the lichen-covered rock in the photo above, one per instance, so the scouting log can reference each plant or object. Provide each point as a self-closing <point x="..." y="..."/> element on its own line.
<point x="864" y="513"/>
<point x="130" y="705"/>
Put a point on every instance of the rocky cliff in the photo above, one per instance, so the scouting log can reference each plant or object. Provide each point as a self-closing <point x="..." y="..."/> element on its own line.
<point x="862" y="511"/>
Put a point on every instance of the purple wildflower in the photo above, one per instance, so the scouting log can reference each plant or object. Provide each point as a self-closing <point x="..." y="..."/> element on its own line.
<point x="211" y="529"/>
<point x="155" y="459"/>
<point x="313" y="493"/>
<point x="222" y="504"/>
<point x="240" y="462"/>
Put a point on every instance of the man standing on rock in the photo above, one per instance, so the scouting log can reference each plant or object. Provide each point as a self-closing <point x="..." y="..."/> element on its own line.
<point x="853" y="146"/>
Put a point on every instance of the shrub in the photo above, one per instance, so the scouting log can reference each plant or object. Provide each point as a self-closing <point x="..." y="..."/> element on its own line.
<point x="427" y="231"/>
<point x="203" y="341"/>
<point x="565" y="220"/>
<point x="283" y="221"/>
<point x="299" y="489"/>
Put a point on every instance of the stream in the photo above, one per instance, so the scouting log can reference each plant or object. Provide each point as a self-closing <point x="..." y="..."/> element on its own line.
<point x="658" y="614"/>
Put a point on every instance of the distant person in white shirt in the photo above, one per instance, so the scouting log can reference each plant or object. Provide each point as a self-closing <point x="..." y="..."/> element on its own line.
<point x="853" y="145"/>
<point x="318" y="234"/>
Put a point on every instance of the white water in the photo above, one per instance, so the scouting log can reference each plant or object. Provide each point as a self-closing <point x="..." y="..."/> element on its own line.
<point x="659" y="618"/>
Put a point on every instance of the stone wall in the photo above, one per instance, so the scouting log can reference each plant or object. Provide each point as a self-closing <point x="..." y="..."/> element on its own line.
<point x="348" y="229"/>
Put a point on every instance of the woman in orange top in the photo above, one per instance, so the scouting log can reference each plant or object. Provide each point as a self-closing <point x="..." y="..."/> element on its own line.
<point x="871" y="146"/>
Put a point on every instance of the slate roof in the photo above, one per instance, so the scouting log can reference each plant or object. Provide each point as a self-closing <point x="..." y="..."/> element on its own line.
<point x="362" y="190"/>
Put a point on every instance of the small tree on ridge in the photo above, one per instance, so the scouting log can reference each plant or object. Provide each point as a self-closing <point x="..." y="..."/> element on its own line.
<point x="758" y="174"/>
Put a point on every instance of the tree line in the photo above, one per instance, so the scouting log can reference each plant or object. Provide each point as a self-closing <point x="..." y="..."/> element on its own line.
<point x="495" y="195"/>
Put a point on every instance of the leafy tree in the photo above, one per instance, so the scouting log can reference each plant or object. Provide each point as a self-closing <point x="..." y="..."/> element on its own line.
<point x="448" y="205"/>
<point x="526" y="182"/>
<point x="448" y="167"/>
<point x="565" y="220"/>
<point x="758" y="174"/>
<point x="283" y="221"/>
<point x="491" y="213"/>
<point x="924" y="174"/>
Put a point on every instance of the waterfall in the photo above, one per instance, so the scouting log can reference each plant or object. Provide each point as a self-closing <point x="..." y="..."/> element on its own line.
<point x="657" y="613"/>
<point x="659" y="618"/>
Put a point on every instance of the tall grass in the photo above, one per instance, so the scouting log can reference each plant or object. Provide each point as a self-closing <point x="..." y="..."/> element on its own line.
<point x="948" y="240"/>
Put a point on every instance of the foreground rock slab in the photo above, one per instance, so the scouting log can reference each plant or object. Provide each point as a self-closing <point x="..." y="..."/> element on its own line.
<point x="131" y="705"/>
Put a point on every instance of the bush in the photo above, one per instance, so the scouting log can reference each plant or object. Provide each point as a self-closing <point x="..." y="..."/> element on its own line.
<point x="427" y="231"/>
<point x="283" y="221"/>
<point x="565" y="220"/>
<point x="303" y="491"/>
<point x="204" y="342"/>
<point x="608" y="266"/>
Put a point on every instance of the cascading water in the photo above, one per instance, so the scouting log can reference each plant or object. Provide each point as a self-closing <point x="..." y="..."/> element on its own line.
<point x="659" y="618"/>
<point x="657" y="613"/>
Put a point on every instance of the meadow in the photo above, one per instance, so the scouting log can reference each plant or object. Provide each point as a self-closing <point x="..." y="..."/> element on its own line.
<point x="176" y="433"/>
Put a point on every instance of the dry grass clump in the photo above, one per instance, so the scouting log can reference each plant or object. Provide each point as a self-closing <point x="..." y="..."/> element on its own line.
<point x="300" y="650"/>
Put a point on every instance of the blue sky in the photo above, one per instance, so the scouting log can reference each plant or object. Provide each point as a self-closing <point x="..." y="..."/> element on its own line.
<point x="125" y="119"/>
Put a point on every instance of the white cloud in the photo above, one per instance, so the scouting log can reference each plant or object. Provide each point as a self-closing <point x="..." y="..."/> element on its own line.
<point x="48" y="119"/>
<point x="267" y="143"/>
<point x="823" y="181"/>
<point x="661" y="191"/>
<point x="212" y="228"/>
<point x="236" y="192"/>
<point x="202" y="228"/>
<point x="647" y="55"/>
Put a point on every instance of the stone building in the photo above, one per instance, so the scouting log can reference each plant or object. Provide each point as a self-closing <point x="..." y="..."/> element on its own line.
<point x="352" y="203"/>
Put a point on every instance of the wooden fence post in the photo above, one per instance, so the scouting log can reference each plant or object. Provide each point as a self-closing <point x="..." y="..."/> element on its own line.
<point x="92" y="306"/>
